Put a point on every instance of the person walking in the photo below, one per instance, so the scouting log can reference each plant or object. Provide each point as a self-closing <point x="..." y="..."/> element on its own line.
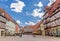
<point x="20" y="34"/>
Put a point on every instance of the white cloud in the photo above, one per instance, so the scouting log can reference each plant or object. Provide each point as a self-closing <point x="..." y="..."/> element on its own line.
<point x="51" y="2"/>
<point x="36" y="13"/>
<point x="39" y="4"/>
<point x="30" y="23"/>
<point x="19" y="22"/>
<point x="17" y="7"/>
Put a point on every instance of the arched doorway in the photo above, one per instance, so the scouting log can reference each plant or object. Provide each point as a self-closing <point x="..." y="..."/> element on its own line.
<point x="2" y="33"/>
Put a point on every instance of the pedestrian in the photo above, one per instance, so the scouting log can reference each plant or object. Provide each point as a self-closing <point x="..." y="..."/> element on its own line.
<point x="20" y="34"/>
<point x="33" y="34"/>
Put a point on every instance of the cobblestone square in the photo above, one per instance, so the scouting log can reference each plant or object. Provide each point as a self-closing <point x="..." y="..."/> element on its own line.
<point x="29" y="38"/>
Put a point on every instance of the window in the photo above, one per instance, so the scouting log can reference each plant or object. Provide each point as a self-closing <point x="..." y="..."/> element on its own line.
<point x="48" y="19"/>
<point x="57" y="15"/>
<point x="1" y="13"/>
<point x="44" y="22"/>
<point x="57" y="22"/>
<point x="53" y="24"/>
<point x="3" y="19"/>
<point x="52" y="18"/>
<point x="49" y="24"/>
<point x="46" y="15"/>
<point x="2" y="25"/>
<point x="45" y="26"/>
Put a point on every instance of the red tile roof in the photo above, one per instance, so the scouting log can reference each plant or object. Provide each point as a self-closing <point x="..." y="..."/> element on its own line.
<point x="34" y="27"/>
<point x="7" y="15"/>
<point x="53" y="7"/>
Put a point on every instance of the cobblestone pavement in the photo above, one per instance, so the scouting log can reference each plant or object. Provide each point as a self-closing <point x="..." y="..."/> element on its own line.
<point x="29" y="38"/>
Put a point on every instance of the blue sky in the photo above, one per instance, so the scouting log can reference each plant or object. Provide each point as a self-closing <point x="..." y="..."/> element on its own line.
<point x="25" y="12"/>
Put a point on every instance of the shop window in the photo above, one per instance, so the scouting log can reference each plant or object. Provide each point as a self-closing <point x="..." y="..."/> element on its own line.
<point x="58" y="31"/>
<point x="2" y="33"/>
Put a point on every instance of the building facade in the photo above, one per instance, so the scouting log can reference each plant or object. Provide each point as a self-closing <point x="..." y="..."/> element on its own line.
<point x="7" y="24"/>
<point x="10" y="27"/>
<point x="52" y="19"/>
<point x="3" y="21"/>
<point x="42" y="30"/>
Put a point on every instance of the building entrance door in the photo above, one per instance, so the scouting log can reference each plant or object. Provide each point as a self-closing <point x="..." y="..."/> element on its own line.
<point x="2" y="33"/>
